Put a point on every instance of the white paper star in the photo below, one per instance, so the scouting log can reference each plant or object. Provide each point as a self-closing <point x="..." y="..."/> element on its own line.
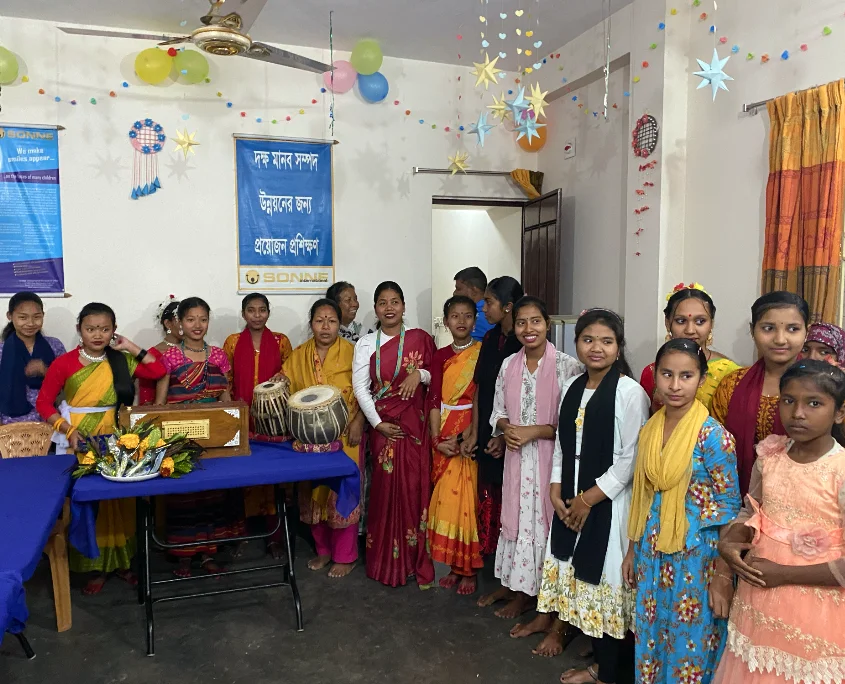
<point x="481" y="128"/>
<point x="184" y="142"/>
<point x="712" y="73"/>
<point x="485" y="71"/>
<point x="518" y="105"/>
<point x="459" y="162"/>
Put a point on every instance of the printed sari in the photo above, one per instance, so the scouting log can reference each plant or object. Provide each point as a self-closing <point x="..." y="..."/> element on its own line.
<point x="400" y="491"/>
<point x="452" y="522"/>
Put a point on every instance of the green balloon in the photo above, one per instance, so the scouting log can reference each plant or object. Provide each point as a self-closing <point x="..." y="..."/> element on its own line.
<point x="8" y="66"/>
<point x="152" y="65"/>
<point x="191" y="66"/>
<point x="366" y="57"/>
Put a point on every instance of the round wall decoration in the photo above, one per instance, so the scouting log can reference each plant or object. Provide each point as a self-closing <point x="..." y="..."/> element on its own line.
<point x="644" y="136"/>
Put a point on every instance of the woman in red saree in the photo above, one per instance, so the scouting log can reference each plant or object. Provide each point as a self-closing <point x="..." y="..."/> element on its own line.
<point x="452" y="518"/>
<point x="390" y="370"/>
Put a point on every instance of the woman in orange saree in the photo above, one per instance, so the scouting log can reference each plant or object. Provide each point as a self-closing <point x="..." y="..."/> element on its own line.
<point x="452" y="517"/>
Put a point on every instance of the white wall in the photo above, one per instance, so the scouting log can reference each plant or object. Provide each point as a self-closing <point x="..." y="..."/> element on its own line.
<point x="183" y="239"/>
<point x="728" y="151"/>
<point x="489" y="238"/>
<point x="594" y="185"/>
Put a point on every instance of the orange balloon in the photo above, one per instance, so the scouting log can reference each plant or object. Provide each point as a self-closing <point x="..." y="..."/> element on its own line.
<point x="536" y="143"/>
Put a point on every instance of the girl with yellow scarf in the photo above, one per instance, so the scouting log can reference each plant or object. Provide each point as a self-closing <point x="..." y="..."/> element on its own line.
<point x="685" y="489"/>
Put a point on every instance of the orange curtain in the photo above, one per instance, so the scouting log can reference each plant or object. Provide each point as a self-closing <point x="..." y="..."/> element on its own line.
<point x="531" y="182"/>
<point x="804" y="197"/>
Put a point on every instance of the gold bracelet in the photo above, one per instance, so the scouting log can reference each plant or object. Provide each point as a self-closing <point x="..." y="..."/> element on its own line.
<point x="57" y="424"/>
<point x="581" y="496"/>
<point x="70" y="432"/>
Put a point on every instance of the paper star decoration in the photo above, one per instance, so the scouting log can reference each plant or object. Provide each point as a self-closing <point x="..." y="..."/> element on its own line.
<point x="481" y="128"/>
<point x="712" y="74"/>
<point x="529" y="127"/>
<point x="518" y="105"/>
<point x="459" y="162"/>
<point x="485" y="71"/>
<point x="537" y="99"/>
<point x="500" y="108"/>
<point x="184" y="142"/>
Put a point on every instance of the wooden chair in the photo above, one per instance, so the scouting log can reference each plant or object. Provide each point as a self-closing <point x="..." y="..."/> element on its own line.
<point x="33" y="439"/>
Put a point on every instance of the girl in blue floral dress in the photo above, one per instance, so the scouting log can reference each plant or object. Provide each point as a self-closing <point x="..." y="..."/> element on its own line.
<point x="685" y="489"/>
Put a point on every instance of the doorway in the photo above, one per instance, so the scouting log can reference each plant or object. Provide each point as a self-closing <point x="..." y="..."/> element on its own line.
<point x="474" y="234"/>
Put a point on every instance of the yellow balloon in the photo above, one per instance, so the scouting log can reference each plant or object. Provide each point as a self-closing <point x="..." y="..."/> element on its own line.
<point x="8" y="66"/>
<point x="153" y="65"/>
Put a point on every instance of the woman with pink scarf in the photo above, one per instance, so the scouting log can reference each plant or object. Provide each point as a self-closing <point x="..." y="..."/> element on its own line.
<point x="525" y="412"/>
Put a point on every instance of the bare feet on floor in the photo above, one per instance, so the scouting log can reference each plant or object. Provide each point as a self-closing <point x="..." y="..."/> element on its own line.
<point x="467" y="586"/>
<point x="339" y="570"/>
<point x="319" y="562"/>
<point x="576" y="675"/>
<point x="556" y="641"/>
<point x="449" y="581"/>
<point x="501" y="594"/>
<point x="275" y="550"/>
<point x="540" y="623"/>
<point x="94" y="585"/>
<point x="516" y="606"/>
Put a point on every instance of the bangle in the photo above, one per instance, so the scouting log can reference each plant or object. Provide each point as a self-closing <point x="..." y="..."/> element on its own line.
<point x="70" y="431"/>
<point x="581" y="496"/>
<point x="57" y="424"/>
<point x="140" y="355"/>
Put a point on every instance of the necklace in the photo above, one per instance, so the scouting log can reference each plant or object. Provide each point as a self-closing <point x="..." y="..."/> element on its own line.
<point x="196" y="351"/>
<point x="93" y="359"/>
<point x="386" y="385"/>
<point x="171" y="344"/>
<point x="464" y="346"/>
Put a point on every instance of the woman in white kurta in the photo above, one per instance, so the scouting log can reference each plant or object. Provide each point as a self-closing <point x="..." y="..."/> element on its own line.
<point x="525" y="408"/>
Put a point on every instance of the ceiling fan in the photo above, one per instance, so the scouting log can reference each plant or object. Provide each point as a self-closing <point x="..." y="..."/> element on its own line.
<point x="223" y="33"/>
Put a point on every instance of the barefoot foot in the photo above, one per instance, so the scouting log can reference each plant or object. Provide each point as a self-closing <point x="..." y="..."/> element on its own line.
<point x="467" y="586"/>
<point x="127" y="576"/>
<point x="339" y="570"/>
<point x="275" y="550"/>
<point x="95" y="585"/>
<point x="519" y="604"/>
<point x="540" y="623"/>
<point x="184" y="568"/>
<point x="501" y="594"/>
<point x="555" y="642"/>
<point x="449" y="581"/>
<point x="319" y="562"/>
<point x="580" y="676"/>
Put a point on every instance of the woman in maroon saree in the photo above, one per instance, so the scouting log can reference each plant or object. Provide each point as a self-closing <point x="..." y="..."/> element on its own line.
<point x="390" y="372"/>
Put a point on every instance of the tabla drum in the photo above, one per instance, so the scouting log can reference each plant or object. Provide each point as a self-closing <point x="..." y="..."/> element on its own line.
<point x="317" y="415"/>
<point x="269" y="408"/>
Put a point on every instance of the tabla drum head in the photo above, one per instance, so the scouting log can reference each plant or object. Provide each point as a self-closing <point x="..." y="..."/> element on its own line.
<point x="313" y="397"/>
<point x="276" y="387"/>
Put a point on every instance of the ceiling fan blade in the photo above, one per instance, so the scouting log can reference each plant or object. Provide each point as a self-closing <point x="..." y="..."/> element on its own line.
<point x="247" y="10"/>
<point x="120" y="34"/>
<point x="268" y="53"/>
<point x="176" y="41"/>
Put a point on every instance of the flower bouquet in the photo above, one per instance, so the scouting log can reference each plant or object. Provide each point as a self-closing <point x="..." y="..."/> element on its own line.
<point x="138" y="452"/>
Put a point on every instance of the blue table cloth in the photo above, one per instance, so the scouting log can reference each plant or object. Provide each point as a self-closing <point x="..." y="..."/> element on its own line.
<point x="32" y="492"/>
<point x="269" y="464"/>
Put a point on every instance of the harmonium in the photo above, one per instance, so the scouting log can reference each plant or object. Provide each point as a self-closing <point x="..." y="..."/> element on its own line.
<point x="220" y="427"/>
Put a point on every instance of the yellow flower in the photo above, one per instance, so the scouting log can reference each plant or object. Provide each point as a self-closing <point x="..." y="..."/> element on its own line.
<point x="129" y="441"/>
<point x="88" y="459"/>
<point x="160" y="443"/>
<point x="166" y="469"/>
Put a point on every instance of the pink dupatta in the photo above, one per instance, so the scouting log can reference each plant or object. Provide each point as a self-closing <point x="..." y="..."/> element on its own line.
<point x="548" y="405"/>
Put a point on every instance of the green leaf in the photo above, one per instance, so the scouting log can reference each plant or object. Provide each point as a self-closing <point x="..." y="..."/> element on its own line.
<point x="183" y="467"/>
<point x="176" y="438"/>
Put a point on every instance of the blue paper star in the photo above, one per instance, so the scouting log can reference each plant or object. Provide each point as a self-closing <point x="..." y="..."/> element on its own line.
<point x="481" y="128"/>
<point x="712" y="74"/>
<point x="518" y="105"/>
<point x="529" y="127"/>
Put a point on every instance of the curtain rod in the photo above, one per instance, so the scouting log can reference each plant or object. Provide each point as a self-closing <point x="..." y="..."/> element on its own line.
<point x="752" y="107"/>
<point x="469" y="172"/>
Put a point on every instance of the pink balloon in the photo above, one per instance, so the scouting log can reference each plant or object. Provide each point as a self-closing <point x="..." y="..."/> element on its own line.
<point x="342" y="78"/>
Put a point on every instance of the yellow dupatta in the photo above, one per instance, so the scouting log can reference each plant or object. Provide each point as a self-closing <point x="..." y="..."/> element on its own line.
<point x="665" y="469"/>
<point x="93" y="385"/>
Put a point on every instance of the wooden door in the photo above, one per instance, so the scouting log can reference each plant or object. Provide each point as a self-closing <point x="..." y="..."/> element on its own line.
<point x="541" y="241"/>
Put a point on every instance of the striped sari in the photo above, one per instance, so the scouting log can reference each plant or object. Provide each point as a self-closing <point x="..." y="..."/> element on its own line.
<point x="452" y="518"/>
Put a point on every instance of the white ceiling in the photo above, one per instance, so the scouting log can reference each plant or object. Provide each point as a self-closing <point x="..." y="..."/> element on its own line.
<point x="412" y="29"/>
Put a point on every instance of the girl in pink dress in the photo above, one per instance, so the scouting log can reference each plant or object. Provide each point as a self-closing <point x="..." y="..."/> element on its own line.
<point x="787" y="621"/>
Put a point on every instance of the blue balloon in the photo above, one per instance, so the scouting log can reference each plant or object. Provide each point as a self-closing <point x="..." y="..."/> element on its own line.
<point x="373" y="87"/>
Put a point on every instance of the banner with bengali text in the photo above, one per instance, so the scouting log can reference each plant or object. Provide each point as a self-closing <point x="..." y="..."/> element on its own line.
<point x="30" y="211"/>
<point x="285" y="215"/>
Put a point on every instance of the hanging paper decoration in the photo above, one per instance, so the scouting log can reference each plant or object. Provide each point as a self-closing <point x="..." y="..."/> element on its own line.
<point x="644" y="136"/>
<point x="500" y="108"/>
<point x="485" y="71"/>
<point x="185" y="142"/>
<point x="146" y="137"/>
<point x="529" y="127"/>
<point x="537" y="100"/>
<point x="459" y="162"/>
<point x="712" y="74"/>
<point x="518" y="105"/>
<point x="481" y="128"/>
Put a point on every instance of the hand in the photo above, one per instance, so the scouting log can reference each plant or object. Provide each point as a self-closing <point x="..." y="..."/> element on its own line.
<point x="390" y="430"/>
<point x="74" y="441"/>
<point x="629" y="576"/>
<point x="720" y="593"/>
<point x="517" y="436"/>
<point x="409" y="385"/>
<point x="560" y="507"/>
<point x="355" y="432"/>
<point x="576" y="513"/>
<point x="772" y="574"/>
<point x="449" y="447"/>
<point x="470" y="439"/>
<point x="122" y="343"/>
<point x="35" y="368"/>
<point x="277" y="377"/>
<point x="731" y="552"/>
<point x="496" y="447"/>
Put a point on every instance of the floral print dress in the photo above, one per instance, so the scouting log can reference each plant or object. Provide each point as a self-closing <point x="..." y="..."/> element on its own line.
<point x="678" y="639"/>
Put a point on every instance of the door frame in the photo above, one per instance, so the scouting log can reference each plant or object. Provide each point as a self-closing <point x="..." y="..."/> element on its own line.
<point x="558" y="193"/>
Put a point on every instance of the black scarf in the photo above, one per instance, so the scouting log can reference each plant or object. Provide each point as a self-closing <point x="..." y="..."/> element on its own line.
<point x="595" y="459"/>
<point x="490" y="359"/>
<point x="13" y="379"/>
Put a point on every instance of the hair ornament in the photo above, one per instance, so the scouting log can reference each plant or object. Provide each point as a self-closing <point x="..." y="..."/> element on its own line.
<point x="681" y="286"/>
<point x="171" y="298"/>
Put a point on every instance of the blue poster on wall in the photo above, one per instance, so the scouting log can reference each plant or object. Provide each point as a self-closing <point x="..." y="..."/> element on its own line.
<point x="30" y="210"/>
<point x="285" y="218"/>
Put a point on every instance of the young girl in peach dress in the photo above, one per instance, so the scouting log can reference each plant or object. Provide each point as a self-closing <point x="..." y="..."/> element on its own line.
<point x="787" y="621"/>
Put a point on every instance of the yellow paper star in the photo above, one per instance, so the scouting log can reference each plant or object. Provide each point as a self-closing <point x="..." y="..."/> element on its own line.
<point x="484" y="71"/>
<point x="537" y="99"/>
<point x="500" y="108"/>
<point x="185" y="142"/>
<point x="459" y="162"/>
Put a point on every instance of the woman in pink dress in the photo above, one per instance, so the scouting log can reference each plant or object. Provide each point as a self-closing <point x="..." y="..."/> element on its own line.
<point x="169" y="323"/>
<point x="787" y="621"/>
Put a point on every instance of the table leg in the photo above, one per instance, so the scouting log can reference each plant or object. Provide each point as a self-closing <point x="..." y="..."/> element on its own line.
<point x="56" y="551"/>
<point x="139" y="555"/>
<point x="27" y="649"/>
<point x="147" y="524"/>
<point x="289" y="570"/>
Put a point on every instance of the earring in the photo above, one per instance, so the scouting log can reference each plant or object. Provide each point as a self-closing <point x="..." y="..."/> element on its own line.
<point x="167" y="330"/>
<point x="668" y="337"/>
<point x="709" y="339"/>
<point x="181" y="332"/>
